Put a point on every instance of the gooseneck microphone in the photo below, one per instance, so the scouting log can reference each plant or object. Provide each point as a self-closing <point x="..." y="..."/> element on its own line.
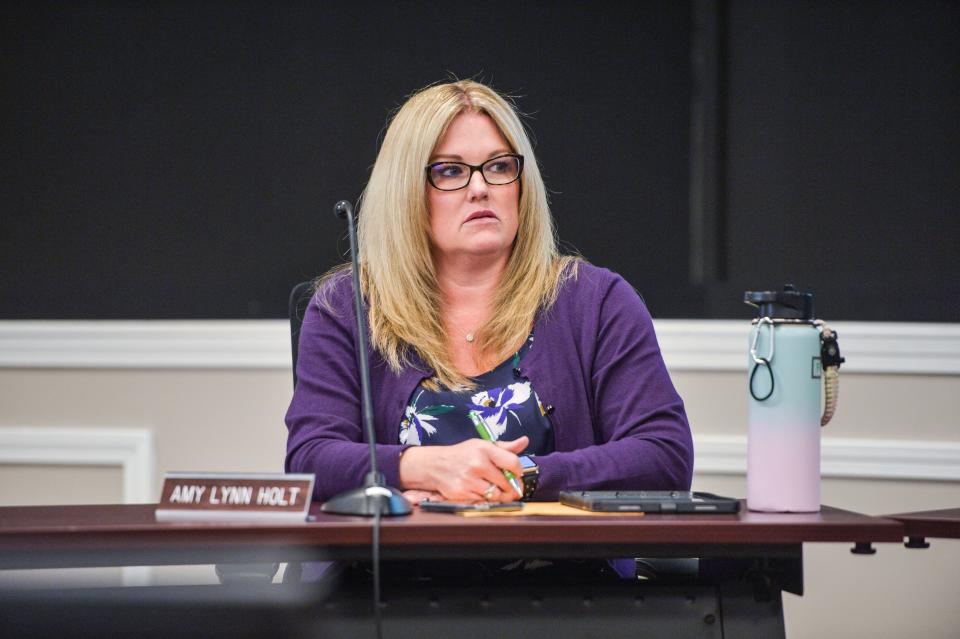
<point x="374" y="497"/>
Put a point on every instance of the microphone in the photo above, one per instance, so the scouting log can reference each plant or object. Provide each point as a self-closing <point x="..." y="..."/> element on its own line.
<point x="344" y="210"/>
<point x="374" y="497"/>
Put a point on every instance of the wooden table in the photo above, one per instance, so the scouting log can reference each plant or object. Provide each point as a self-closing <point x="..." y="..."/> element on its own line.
<point x="117" y="535"/>
<point x="752" y="558"/>
<point x="918" y="526"/>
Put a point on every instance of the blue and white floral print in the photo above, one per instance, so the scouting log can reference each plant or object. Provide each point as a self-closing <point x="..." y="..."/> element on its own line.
<point x="495" y="404"/>
<point x="503" y="398"/>
<point x="416" y="427"/>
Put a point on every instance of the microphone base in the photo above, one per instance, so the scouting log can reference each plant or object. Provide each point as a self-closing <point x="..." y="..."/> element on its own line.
<point x="367" y="501"/>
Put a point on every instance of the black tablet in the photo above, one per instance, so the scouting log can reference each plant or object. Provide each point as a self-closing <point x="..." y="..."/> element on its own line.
<point x="649" y="501"/>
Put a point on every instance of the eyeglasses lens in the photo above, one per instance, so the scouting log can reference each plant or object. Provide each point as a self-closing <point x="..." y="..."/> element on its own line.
<point x="501" y="170"/>
<point x="450" y="176"/>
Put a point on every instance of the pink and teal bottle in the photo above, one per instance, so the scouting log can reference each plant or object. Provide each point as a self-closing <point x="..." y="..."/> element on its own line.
<point x="783" y="403"/>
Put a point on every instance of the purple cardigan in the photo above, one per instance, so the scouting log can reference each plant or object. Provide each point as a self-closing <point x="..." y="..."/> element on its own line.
<point x="618" y="421"/>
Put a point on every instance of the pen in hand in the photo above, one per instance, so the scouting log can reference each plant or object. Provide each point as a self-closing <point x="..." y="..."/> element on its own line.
<point x="484" y="433"/>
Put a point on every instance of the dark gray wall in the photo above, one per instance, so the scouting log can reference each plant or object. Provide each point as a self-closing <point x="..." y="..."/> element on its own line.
<point x="843" y="156"/>
<point x="180" y="160"/>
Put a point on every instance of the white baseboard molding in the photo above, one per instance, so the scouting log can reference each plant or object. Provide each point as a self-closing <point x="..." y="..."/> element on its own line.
<point x="847" y="458"/>
<point x="687" y="345"/>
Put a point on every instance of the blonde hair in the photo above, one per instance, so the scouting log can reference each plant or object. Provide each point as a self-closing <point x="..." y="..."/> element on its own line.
<point x="397" y="272"/>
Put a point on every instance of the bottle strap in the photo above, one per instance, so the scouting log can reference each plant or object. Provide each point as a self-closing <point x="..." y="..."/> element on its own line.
<point x="830" y="361"/>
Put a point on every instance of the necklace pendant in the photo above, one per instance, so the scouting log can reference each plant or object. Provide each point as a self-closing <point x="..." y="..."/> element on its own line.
<point x="469" y="337"/>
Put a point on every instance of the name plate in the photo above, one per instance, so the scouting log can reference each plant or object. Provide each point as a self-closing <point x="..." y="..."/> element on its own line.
<point x="234" y="497"/>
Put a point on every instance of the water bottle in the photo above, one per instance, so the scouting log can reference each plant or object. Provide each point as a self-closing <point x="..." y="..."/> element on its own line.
<point x="786" y="369"/>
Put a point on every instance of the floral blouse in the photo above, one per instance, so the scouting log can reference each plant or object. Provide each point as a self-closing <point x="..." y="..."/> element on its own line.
<point x="503" y="399"/>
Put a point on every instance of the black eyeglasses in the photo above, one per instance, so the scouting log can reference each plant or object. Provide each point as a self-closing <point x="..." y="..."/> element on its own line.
<point x="452" y="176"/>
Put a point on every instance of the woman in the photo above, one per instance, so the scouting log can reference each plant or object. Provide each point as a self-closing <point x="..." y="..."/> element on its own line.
<point x="478" y="323"/>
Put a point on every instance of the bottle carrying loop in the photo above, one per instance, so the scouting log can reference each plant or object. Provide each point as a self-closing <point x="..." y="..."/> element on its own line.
<point x="764" y="361"/>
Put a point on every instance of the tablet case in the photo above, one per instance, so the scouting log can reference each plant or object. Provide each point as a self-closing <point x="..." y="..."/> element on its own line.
<point x="649" y="501"/>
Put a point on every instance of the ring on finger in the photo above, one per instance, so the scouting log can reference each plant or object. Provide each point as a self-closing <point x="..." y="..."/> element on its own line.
<point x="488" y="493"/>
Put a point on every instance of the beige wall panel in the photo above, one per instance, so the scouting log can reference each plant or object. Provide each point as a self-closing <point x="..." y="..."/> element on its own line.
<point x="924" y="407"/>
<point x="716" y="403"/>
<point x="29" y="484"/>
<point x="62" y="578"/>
<point x="898" y="592"/>
<point x="730" y="485"/>
<point x="210" y="420"/>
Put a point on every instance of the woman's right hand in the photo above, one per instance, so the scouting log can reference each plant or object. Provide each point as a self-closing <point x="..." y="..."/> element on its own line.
<point x="464" y="471"/>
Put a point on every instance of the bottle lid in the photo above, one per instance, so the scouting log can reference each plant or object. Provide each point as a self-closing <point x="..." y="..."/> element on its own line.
<point x="789" y="303"/>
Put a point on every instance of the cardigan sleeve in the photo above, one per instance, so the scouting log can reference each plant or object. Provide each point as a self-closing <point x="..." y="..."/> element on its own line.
<point x="325" y="433"/>
<point x="640" y="431"/>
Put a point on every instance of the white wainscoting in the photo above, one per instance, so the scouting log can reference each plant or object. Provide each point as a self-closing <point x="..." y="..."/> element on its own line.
<point x="840" y="457"/>
<point x="687" y="345"/>
<point x="869" y="347"/>
<point x="263" y="344"/>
